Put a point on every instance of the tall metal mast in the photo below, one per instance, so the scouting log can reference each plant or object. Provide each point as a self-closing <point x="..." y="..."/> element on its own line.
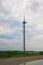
<point x="24" y="22"/>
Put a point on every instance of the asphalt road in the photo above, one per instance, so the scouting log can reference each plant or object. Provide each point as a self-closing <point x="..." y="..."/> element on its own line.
<point x="17" y="61"/>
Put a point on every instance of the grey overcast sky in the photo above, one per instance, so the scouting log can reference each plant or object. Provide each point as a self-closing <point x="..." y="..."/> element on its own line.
<point x="11" y="27"/>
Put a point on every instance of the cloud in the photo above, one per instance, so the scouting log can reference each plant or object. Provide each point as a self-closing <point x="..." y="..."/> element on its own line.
<point x="11" y="9"/>
<point x="6" y="30"/>
<point x="12" y="44"/>
<point x="40" y="27"/>
<point x="35" y="6"/>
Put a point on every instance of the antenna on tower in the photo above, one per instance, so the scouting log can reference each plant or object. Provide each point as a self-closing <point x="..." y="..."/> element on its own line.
<point x="24" y="18"/>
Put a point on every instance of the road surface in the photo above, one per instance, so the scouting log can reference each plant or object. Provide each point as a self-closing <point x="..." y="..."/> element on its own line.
<point x="17" y="61"/>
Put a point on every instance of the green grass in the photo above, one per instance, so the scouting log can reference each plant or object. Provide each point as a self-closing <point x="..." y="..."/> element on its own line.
<point x="8" y="54"/>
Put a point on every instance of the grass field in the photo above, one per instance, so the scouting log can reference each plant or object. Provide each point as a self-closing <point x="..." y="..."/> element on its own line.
<point x="7" y="54"/>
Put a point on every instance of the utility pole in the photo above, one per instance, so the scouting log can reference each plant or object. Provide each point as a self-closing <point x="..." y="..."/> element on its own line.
<point x="24" y="22"/>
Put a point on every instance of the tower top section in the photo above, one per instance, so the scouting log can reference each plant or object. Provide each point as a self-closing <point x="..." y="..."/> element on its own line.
<point x="24" y="19"/>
